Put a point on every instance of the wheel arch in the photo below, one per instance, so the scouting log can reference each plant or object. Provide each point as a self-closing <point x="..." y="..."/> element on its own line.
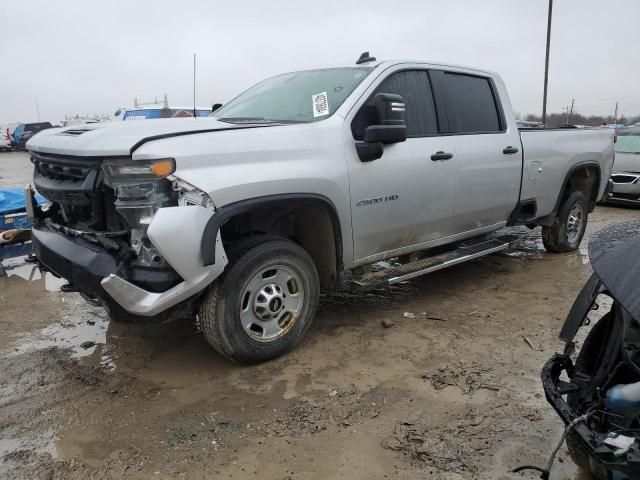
<point x="584" y="176"/>
<point x="309" y="219"/>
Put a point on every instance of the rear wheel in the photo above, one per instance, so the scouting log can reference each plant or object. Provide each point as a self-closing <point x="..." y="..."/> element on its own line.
<point x="264" y="303"/>
<point x="566" y="233"/>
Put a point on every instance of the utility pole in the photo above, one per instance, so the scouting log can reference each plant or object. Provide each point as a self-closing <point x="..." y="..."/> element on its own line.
<point x="38" y="108"/>
<point x="615" y="114"/>
<point x="573" y="100"/>
<point x="194" y="85"/>
<point x="546" y="65"/>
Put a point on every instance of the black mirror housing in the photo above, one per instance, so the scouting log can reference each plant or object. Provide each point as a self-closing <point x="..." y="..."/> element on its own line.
<point x="215" y="107"/>
<point x="385" y="133"/>
<point x="369" y="151"/>
<point x="390" y="108"/>
<point x="391" y="126"/>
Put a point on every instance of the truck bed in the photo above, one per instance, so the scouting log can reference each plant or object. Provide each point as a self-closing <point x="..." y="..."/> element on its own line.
<point x="549" y="154"/>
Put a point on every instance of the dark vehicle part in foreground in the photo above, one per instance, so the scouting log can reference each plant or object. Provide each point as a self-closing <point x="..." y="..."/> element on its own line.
<point x="603" y="429"/>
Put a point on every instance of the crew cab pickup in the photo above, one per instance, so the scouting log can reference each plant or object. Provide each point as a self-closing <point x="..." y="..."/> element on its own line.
<point x="299" y="185"/>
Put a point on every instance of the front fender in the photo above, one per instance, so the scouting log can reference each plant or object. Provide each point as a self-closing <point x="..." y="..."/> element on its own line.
<point x="176" y="232"/>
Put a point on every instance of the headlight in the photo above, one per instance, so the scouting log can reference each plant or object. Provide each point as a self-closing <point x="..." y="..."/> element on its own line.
<point x="140" y="188"/>
<point x="117" y="172"/>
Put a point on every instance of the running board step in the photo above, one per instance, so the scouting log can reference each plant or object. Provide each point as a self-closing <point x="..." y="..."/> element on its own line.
<point x="465" y="252"/>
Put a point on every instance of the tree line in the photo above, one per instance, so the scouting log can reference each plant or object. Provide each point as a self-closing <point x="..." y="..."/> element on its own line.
<point x="558" y="119"/>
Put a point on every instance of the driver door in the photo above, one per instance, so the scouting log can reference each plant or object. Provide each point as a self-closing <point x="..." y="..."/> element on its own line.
<point x="404" y="199"/>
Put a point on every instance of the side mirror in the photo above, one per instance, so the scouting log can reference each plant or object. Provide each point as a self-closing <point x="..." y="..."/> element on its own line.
<point x="215" y="107"/>
<point x="391" y="126"/>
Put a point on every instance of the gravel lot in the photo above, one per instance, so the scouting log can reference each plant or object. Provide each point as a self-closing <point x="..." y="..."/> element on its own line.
<point x="431" y="379"/>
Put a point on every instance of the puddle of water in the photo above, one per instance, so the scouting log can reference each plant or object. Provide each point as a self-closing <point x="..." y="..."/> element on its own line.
<point x="18" y="267"/>
<point x="31" y="299"/>
<point x="66" y="335"/>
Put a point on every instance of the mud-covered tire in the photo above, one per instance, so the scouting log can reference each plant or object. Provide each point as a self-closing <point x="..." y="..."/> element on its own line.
<point x="223" y="311"/>
<point x="562" y="236"/>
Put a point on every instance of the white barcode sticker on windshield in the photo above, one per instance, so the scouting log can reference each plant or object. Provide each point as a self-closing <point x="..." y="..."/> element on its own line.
<point x="320" y="104"/>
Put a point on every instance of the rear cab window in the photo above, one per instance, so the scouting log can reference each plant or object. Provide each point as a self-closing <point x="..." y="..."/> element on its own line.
<point x="472" y="104"/>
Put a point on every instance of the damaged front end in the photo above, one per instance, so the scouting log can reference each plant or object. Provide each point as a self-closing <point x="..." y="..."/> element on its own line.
<point x="125" y="233"/>
<point x="597" y="392"/>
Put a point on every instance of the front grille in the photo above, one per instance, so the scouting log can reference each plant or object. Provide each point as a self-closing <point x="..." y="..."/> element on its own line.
<point x="622" y="178"/>
<point x="626" y="196"/>
<point x="75" y="186"/>
<point x="59" y="167"/>
<point x="62" y="172"/>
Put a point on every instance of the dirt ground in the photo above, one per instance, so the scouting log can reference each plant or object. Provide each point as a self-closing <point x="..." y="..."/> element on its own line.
<point x="430" y="379"/>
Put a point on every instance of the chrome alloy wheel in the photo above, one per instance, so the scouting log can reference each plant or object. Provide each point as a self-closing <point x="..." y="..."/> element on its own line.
<point x="574" y="223"/>
<point x="271" y="303"/>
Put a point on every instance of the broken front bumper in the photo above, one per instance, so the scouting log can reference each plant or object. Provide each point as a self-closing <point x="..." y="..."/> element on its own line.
<point x="591" y="443"/>
<point x="175" y="232"/>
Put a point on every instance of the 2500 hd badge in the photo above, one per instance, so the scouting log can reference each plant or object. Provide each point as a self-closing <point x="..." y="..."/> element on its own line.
<point x="373" y="201"/>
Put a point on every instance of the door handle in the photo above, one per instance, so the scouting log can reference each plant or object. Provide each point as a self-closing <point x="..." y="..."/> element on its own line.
<point x="510" y="150"/>
<point x="441" y="156"/>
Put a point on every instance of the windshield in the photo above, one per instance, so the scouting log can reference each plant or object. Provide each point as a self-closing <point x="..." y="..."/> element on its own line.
<point x="298" y="97"/>
<point x="628" y="142"/>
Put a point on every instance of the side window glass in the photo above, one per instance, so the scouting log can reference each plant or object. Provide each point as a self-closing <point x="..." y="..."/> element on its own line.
<point x="414" y="87"/>
<point x="471" y="103"/>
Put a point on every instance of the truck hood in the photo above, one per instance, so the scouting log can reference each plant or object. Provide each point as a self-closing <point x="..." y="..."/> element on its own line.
<point x="119" y="138"/>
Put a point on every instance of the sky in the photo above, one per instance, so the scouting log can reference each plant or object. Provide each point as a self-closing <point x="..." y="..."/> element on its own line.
<point x="91" y="57"/>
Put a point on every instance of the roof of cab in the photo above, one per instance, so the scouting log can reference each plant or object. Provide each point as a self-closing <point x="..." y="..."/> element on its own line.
<point x="392" y="62"/>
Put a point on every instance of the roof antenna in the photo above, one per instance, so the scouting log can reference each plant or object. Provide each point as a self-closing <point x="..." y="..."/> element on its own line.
<point x="364" y="58"/>
<point x="194" y="86"/>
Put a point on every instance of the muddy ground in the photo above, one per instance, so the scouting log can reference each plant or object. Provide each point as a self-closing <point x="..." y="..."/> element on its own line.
<point x="431" y="379"/>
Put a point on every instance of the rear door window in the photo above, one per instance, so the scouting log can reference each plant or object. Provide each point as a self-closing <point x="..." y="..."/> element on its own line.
<point x="471" y="104"/>
<point x="415" y="89"/>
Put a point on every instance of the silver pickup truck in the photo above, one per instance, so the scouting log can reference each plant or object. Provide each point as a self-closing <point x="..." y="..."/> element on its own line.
<point x="299" y="185"/>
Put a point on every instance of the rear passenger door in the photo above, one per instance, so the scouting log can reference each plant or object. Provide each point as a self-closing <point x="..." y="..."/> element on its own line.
<point x="488" y="158"/>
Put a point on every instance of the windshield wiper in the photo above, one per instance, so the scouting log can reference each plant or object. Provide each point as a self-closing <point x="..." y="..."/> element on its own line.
<point x="246" y="120"/>
<point x="257" y="120"/>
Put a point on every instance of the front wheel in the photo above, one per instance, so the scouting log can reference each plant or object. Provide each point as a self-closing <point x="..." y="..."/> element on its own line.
<point x="264" y="303"/>
<point x="566" y="233"/>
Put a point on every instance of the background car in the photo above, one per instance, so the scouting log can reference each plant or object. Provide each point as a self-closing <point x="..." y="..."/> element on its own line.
<point x="5" y="140"/>
<point x="626" y="168"/>
<point x="6" y="129"/>
<point x="24" y="131"/>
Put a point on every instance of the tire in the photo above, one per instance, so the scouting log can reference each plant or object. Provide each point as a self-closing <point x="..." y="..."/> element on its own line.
<point x="263" y="304"/>
<point x="566" y="233"/>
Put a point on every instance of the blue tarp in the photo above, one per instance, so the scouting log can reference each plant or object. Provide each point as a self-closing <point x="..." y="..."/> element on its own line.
<point x="12" y="200"/>
<point x="13" y="210"/>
